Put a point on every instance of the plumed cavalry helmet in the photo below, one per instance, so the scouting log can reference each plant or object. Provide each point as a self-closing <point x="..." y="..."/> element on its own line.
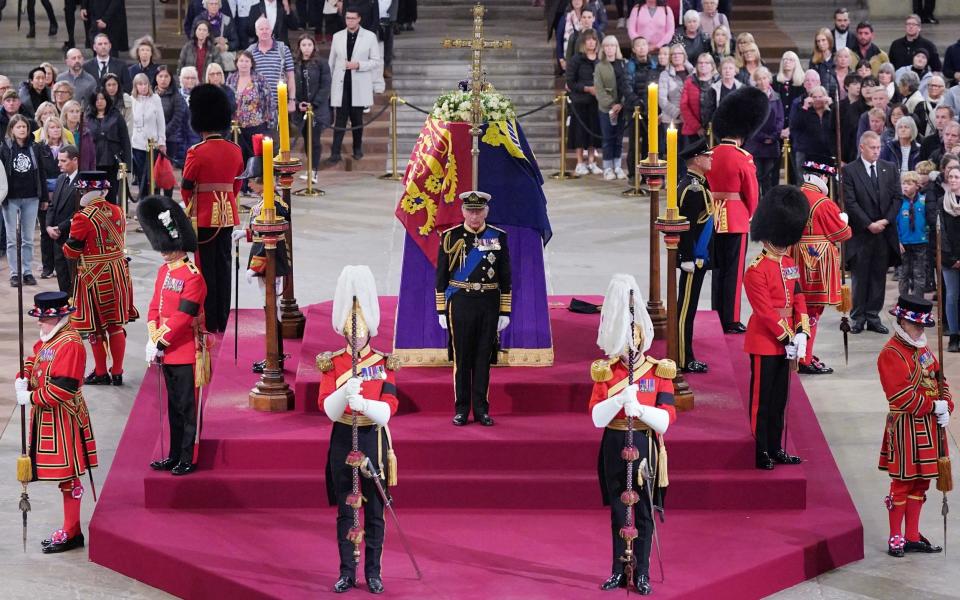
<point x="356" y="292"/>
<point x="210" y="109"/>
<point x="615" y="336"/>
<point x="166" y="226"/>
<point x="781" y="216"/>
<point x="741" y="113"/>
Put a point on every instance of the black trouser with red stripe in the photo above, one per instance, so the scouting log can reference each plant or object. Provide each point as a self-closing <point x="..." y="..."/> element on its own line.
<point x="214" y="255"/>
<point x="729" y="251"/>
<point x="688" y="296"/>
<point x="181" y="412"/>
<point x="769" y="383"/>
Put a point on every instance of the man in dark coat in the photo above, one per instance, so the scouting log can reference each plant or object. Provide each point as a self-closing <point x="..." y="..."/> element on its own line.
<point x="104" y="61"/>
<point x="258" y="10"/>
<point x="871" y="189"/>
<point x="109" y="17"/>
<point x="62" y="206"/>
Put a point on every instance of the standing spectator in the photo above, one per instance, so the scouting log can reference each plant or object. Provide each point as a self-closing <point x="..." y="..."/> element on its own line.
<point x="241" y="21"/>
<point x="609" y="81"/>
<point x="32" y="18"/>
<point x="864" y="70"/>
<point x="789" y="85"/>
<point x="62" y="93"/>
<point x="599" y="10"/>
<point x="60" y="212"/>
<point x="50" y="143"/>
<point x="274" y="62"/>
<point x="813" y="126"/>
<point x="924" y="110"/>
<point x="174" y="112"/>
<point x="111" y="138"/>
<point x="108" y="17"/>
<point x="388" y="19"/>
<point x="742" y="41"/>
<point x="728" y="80"/>
<point x="903" y="49"/>
<point x="146" y="58"/>
<point x="331" y="21"/>
<point x="47" y="109"/>
<point x="12" y="106"/>
<point x="354" y="57"/>
<point x="26" y="184"/>
<point x="933" y="142"/>
<point x="851" y="108"/>
<point x="653" y="21"/>
<point x="188" y="137"/>
<point x="253" y="100"/>
<point x="641" y="71"/>
<point x="912" y="230"/>
<point x="672" y="80"/>
<point x="200" y="51"/>
<point x="842" y="67"/>
<point x="313" y="90"/>
<point x="871" y="190"/>
<point x="34" y="92"/>
<point x="897" y="112"/>
<point x="196" y="8"/>
<point x="693" y="40"/>
<point x="822" y="59"/>
<point x="4" y="84"/>
<point x="121" y="101"/>
<point x="583" y="134"/>
<point x="148" y="124"/>
<point x="885" y="76"/>
<point x="867" y="50"/>
<point x="697" y="100"/>
<point x="925" y="9"/>
<point x="406" y="15"/>
<point x="720" y="45"/>
<point x="215" y="76"/>
<point x="903" y="151"/>
<point x="842" y="37"/>
<point x="571" y="35"/>
<point x="908" y="84"/>
<point x="951" y="64"/>
<point x="219" y="23"/>
<point x="920" y="67"/>
<point x="84" y="84"/>
<point x="276" y="12"/>
<point x="949" y="211"/>
<point x="70" y="117"/>
<point x="750" y="61"/>
<point x="105" y="62"/>
<point x="765" y="144"/>
<point x="878" y="100"/>
<point x="711" y="18"/>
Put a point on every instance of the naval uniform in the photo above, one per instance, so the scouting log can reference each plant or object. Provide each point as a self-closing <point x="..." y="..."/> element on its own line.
<point x="473" y="291"/>
<point x="696" y="246"/>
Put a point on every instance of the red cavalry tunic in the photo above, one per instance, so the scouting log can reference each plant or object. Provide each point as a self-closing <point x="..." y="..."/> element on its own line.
<point x="175" y="308"/>
<point x="911" y="440"/>
<point x="817" y="254"/>
<point x="378" y="379"/>
<point x="655" y="389"/>
<point x="103" y="292"/>
<point x="733" y="182"/>
<point x="210" y="185"/>
<point x="773" y="289"/>
<point x="62" y="445"/>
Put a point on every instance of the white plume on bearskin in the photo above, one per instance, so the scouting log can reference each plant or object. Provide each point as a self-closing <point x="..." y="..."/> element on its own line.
<point x="356" y="281"/>
<point x="615" y="337"/>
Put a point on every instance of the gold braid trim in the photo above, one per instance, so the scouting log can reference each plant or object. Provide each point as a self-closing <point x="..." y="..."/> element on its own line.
<point x="600" y="370"/>
<point x="456" y="252"/>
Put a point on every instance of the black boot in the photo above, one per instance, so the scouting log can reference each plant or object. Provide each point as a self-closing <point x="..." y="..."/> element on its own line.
<point x="764" y="461"/>
<point x="617" y="580"/>
<point x="954" y="345"/>
<point x="781" y="456"/>
<point x="32" y="33"/>
<point x="642" y="583"/>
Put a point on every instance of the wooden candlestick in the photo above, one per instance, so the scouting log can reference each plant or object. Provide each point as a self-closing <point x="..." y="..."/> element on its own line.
<point x="653" y="170"/>
<point x="292" y="321"/>
<point x="672" y="224"/>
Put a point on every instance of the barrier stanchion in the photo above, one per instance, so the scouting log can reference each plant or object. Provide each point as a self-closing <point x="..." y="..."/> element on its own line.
<point x="563" y="173"/>
<point x="394" y="173"/>
<point x="786" y="161"/>
<point x="179" y="17"/>
<point x="151" y="156"/>
<point x="309" y="191"/>
<point x="122" y="175"/>
<point x="635" y="191"/>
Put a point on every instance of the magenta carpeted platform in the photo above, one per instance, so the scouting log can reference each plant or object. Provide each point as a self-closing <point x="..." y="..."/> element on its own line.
<point x="511" y="511"/>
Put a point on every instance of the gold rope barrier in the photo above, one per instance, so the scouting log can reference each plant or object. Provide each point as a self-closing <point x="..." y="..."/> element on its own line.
<point x="309" y="191"/>
<point x="635" y="190"/>
<point x="563" y="173"/>
<point x="786" y="161"/>
<point x="151" y="152"/>
<point x="394" y="173"/>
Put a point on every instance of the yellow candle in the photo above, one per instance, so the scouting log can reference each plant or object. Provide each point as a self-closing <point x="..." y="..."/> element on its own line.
<point x="671" y="167"/>
<point x="653" y="141"/>
<point x="268" y="190"/>
<point x="282" y="116"/>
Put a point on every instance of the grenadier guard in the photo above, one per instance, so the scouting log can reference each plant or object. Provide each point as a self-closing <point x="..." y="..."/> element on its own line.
<point x="367" y="388"/>
<point x="649" y="400"/>
<point x="913" y="438"/>
<point x="733" y="182"/>
<point x="209" y="188"/>
<point x="62" y="446"/>
<point x="173" y="326"/>
<point x="779" y="327"/>
<point x="474" y="300"/>
<point x="818" y="253"/>
<point x="695" y="252"/>
<point x="103" y="291"/>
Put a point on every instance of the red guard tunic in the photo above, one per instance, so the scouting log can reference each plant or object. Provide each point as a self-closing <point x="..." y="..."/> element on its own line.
<point x="173" y="317"/>
<point x="103" y="292"/>
<point x="210" y="185"/>
<point x="376" y="370"/>
<point x="62" y="446"/>
<point x="911" y="440"/>
<point x="773" y="288"/>
<point x="817" y="254"/>
<point x="733" y="182"/>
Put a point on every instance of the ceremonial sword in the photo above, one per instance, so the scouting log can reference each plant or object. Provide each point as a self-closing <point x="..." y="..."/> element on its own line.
<point x="647" y="474"/>
<point x="370" y="472"/>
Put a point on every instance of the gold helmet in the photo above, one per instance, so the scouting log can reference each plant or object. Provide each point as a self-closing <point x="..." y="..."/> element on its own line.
<point x="355" y="302"/>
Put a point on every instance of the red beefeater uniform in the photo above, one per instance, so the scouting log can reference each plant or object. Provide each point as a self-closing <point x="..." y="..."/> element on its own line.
<point x="103" y="291"/>
<point x="655" y="380"/>
<point x="733" y="183"/>
<point x="911" y="439"/>
<point x="773" y="289"/>
<point x="377" y="373"/>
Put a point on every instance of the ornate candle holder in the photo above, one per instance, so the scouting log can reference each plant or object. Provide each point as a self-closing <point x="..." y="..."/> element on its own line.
<point x="654" y="170"/>
<point x="292" y="321"/>
<point x="671" y="224"/>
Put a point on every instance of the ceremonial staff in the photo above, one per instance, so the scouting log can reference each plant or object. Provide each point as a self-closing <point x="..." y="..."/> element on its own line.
<point x="355" y="458"/>
<point x="630" y="453"/>
<point x="236" y="298"/>
<point x="944" y="470"/>
<point x="24" y="465"/>
<point x="846" y="299"/>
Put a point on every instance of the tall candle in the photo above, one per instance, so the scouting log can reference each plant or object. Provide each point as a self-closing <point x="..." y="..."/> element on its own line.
<point x="671" y="167"/>
<point x="653" y="142"/>
<point x="268" y="190"/>
<point x="282" y="116"/>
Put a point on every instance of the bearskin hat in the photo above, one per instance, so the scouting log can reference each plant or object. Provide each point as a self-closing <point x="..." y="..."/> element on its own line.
<point x="741" y="113"/>
<point x="165" y="224"/>
<point x="781" y="216"/>
<point x="210" y="109"/>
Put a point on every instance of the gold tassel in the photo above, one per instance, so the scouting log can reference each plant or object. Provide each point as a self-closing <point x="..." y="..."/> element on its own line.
<point x="662" y="479"/>
<point x="201" y="373"/>
<point x="24" y="469"/>
<point x="391" y="468"/>
<point x="944" y="474"/>
<point x="846" y="299"/>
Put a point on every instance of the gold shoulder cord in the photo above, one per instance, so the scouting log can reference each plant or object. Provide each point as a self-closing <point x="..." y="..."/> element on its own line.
<point x="456" y="252"/>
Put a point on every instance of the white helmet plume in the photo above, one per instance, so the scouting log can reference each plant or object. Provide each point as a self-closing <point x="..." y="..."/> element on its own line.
<point x="615" y="337"/>
<point x="356" y="281"/>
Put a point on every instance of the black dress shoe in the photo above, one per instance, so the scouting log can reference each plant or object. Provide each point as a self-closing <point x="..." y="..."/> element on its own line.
<point x="460" y="420"/>
<point x="343" y="584"/>
<point x="878" y="327"/>
<point x="29" y="279"/>
<point x="856" y="328"/>
<point x="163" y="465"/>
<point x="94" y="379"/>
<point x="375" y="585"/>
<point x="617" y="580"/>
<point x="358" y="155"/>
<point x="183" y="468"/>
<point x="54" y="28"/>
<point x="116" y="379"/>
<point x="15" y="281"/>
<point x="260" y="365"/>
<point x="46" y="274"/>
<point x="923" y="545"/>
<point x="735" y="327"/>
<point x="32" y="33"/>
<point x="485" y="420"/>
<point x="781" y="457"/>
<point x="695" y="366"/>
<point x="764" y="461"/>
<point x="67" y="544"/>
<point x="815" y="368"/>
<point x="642" y="583"/>
<point x="333" y="159"/>
<point x="895" y="546"/>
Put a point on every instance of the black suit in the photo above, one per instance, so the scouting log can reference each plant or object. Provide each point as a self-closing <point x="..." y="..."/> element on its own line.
<point x="871" y="254"/>
<point x="280" y="32"/>
<point x="62" y="206"/>
<point x="115" y="66"/>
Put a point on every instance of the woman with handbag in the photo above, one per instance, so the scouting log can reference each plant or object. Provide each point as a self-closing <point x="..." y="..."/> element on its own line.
<point x="148" y="124"/>
<point x="313" y="90"/>
<point x="110" y="137"/>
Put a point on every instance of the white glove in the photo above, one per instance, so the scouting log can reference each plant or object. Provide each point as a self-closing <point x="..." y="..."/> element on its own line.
<point x="238" y="234"/>
<point x="358" y="403"/>
<point x="632" y="408"/>
<point x="687" y="266"/>
<point x="791" y="350"/>
<point x="150" y="352"/>
<point x="352" y="386"/>
<point x="844" y="217"/>
<point x="21" y="384"/>
<point x="801" y="342"/>
<point x="629" y="393"/>
<point x="502" y="323"/>
<point x="940" y="407"/>
<point x="443" y="321"/>
<point x="250" y="275"/>
<point x="942" y="420"/>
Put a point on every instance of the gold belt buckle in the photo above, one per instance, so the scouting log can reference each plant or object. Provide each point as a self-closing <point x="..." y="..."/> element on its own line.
<point x="476" y="287"/>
